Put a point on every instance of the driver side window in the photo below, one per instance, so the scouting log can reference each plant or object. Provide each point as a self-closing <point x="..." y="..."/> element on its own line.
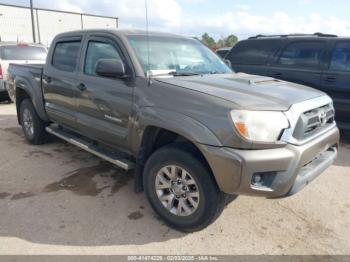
<point x="96" y="51"/>
<point x="341" y="57"/>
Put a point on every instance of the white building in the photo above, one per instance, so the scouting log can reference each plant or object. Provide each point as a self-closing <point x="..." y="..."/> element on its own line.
<point x="16" y="25"/>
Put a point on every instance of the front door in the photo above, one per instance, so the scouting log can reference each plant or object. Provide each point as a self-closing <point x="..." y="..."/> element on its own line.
<point x="300" y="62"/>
<point x="336" y="82"/>
<point x="104" y="104"/>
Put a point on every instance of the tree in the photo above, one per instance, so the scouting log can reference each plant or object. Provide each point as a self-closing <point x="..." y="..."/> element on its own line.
<point x="221" y="43"/>
<point x="208" y="40"/>
<point x="231" y="40"/>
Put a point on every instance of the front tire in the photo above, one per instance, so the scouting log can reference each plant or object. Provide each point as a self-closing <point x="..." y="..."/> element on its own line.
<point x="181" y="189"/>
<point x="33" y="127"/>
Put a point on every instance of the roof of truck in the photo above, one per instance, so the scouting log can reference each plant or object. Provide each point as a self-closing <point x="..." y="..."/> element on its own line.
<point x="122" y="32"/>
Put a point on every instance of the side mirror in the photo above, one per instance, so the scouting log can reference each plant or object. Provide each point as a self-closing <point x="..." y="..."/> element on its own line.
<point x="228" y="63"/>
<point x="110" y="68"/>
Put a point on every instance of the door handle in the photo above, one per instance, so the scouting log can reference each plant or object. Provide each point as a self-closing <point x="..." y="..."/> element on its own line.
<point x="277" y="74"/>
<point x="82" y="87"/>
<point x="48" y="79"/>
<point x="331" y="79"/>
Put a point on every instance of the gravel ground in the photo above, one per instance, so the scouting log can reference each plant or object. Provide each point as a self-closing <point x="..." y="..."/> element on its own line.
<point x="57" y="199"/>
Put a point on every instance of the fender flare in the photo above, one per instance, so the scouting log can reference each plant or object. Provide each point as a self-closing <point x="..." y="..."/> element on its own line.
<point x="172" y="121"/>
<point x="175" y="122"/>
<point x="35" y="95"/>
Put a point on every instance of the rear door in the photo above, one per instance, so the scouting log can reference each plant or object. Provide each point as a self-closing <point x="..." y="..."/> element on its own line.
<point x="253" y="56"/>
<point x="60" y="81"/>
<point x="336" y="81"/>
<point x="300" y="62"/>
<point x="104" y="104"/>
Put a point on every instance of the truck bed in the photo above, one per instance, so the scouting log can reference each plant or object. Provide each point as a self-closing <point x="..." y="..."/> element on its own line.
<point x="40" y="66"/>
<point x="29" y="73"/>
<point x="29" y="78"/>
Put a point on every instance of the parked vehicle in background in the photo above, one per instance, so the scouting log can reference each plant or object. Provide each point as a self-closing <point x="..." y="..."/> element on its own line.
<point x="222" y="52"/>
<point x="196" y="133"/>
<point x="319" y="60"/>
<point x="19" y="53"/>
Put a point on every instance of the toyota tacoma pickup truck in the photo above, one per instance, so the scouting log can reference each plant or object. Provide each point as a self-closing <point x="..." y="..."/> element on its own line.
<point x="196" y="133"/>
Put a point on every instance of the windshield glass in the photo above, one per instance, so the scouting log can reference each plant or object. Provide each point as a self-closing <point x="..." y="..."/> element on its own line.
<point x="177" y="55"/>
<point x="17" y="52"/>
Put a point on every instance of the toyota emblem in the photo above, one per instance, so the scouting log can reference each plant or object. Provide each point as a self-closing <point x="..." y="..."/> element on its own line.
<point x="322" y="117"/>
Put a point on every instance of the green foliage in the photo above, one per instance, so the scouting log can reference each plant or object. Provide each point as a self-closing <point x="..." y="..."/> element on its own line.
<point x="220" y="43"/>
<point x="231" y="40"/>
<point x="208" y="40"/>
<point x="228" y="41"/>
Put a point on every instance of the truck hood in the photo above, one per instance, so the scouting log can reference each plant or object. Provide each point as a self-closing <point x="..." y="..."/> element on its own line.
<point x="249" y="92"/>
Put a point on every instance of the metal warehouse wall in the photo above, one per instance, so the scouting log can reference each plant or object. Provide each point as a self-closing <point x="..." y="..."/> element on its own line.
<point x="15" y="23"/>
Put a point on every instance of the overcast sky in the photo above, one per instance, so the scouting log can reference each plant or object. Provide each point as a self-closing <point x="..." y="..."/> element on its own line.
<point x="218" y="18"/>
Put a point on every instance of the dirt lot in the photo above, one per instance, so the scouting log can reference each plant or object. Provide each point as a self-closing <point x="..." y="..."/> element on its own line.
<point x="57" y="199"/>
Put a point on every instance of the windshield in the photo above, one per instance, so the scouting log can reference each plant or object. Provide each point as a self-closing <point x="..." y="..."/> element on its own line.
<point x="176" y="55"/>
<point x="18" y="52"/>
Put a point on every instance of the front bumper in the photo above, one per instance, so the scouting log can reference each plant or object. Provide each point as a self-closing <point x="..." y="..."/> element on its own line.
<point x="282" y="171"/>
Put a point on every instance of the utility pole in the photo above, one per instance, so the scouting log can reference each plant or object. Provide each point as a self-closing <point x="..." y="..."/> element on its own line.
<point x="32" y="15"/>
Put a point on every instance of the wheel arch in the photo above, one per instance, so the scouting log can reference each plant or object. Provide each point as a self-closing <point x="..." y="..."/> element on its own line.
<point x="175" y="122"/>
<point x="21" y="95"/>
<point x="159" y="128"/>
<point x="24" y="90"/>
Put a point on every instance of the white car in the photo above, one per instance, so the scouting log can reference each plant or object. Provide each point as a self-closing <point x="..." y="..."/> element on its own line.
<point x="18" y="53"/>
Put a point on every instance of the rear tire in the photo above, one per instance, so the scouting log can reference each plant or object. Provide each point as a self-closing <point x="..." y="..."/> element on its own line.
<point x="4" y="97"/>
<point x="194" y="213"/>
<point x="33" y="127"/>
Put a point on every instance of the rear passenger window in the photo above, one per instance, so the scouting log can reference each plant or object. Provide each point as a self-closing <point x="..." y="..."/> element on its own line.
<point x="253" y="52"/>
<point x="65" y="56"/>
<point x="341" y="57"/>
<point x="302" y="54"/>
<point x="96" y="51"/>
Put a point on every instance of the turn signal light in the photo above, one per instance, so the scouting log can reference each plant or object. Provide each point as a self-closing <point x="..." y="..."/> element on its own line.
<point x="241" y="128"/>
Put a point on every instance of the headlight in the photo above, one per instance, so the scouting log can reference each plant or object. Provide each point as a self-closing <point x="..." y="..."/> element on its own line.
<point x="260" y="126"/>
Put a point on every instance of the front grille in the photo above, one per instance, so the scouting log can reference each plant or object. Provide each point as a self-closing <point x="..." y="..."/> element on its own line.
<point x="314" y="121"/>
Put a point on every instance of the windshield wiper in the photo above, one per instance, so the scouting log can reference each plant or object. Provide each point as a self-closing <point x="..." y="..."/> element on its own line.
<point x="183" y="74"/>
<point x="216" y="72"/>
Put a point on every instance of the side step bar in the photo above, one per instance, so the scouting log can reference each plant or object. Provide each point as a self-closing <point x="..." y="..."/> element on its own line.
<point x="110" y="157"/>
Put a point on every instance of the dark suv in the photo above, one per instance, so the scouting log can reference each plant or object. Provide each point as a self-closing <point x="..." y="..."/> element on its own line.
<point x="319" y="60"/>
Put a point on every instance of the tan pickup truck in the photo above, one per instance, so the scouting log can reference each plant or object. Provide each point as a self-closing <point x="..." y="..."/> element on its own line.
<point x="195" y="132"/>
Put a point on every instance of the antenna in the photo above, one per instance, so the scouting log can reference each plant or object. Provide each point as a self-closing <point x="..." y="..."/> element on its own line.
<point x="148" y="49"/>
